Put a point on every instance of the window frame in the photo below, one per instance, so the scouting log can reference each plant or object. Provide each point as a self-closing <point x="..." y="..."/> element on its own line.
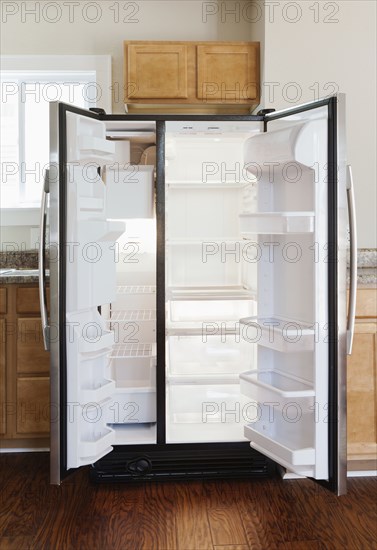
<point x="51" y="65"/>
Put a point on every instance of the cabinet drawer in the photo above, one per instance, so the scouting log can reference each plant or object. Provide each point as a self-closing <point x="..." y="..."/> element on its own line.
<point x="3" y="300"/>
<point x="33" y="405"/>
<point x="31" y="355"/>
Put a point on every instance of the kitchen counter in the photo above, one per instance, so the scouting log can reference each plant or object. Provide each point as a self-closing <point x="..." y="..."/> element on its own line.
<point x="19" y="276"/>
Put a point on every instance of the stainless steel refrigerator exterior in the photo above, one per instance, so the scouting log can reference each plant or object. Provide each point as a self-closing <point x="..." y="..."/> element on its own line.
<point x="340" y="332"/>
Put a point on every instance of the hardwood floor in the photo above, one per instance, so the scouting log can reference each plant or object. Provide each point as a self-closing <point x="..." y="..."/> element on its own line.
<point x="221" y="515"/>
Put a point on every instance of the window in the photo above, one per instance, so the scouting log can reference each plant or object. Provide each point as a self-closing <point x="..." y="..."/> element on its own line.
<point x="24" y="130"/>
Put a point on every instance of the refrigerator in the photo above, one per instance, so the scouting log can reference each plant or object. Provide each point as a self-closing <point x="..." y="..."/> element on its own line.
<point x="198" y="323"/>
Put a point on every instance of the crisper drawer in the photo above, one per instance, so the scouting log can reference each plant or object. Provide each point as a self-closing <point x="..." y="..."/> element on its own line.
<point x="218" y="355"/>
<point x="273" y="386"/>
<point x="285" y="436"/>
<point x="132" y="405"/>
<point x="206" y="413"/>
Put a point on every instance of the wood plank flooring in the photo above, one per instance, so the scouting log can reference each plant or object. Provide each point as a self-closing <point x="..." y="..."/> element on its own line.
<point x="195" y="515"/>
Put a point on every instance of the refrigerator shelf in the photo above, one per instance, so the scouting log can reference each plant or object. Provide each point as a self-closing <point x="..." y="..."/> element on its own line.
<point x="133" y="315"/>
<point x="122" y="351"/>
<point x="215" y="310"/>
<point x="285" y="335"/>
<point x="135" y="434"/>
<point x="203" y="328"/>
<point x="207" y="185"/>
<point x="136" y="289"/>
<point x="276" y="223"/>
<point x="210" y="293"/>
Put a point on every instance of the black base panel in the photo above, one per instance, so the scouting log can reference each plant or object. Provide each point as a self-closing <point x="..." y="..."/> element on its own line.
<point x="168" y="463"/>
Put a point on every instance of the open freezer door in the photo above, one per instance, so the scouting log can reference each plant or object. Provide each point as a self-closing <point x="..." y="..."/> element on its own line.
<point x="82" y="284"/>
<point x="300" y="226"/>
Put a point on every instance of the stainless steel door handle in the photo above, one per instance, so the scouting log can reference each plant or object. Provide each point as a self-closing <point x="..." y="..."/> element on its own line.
<point x="42" y="264"/>
<point x="353" y="261"/>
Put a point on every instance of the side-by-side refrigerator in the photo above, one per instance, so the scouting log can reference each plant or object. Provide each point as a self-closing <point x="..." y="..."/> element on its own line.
<point x="197" y="274"/>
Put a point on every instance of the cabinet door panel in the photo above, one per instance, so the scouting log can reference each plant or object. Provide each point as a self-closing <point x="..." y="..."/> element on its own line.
<point x="31" y="355"/>
<point x="28" y="300"/>
<point x="157" y="71"/>
<point x="362" y="391"/>
<point x="2" y="377"/>
<point x="227" y="72"/>
<point x="33" y="409"/>
<point x="3" y="300"/>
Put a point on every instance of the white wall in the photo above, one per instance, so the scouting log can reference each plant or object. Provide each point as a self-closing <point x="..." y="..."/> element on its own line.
<point x="304" y="52"/>
<point x="319" y="58"/>
<point x="37" y="33"/>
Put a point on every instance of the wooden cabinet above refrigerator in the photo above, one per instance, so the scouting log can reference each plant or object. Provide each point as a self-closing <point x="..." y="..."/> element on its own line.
<point x="207" y="77"/>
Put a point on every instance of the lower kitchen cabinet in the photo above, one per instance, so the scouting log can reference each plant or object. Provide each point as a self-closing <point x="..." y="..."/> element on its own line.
<point x="24" y="370"/>
<point x="362" y="385"/>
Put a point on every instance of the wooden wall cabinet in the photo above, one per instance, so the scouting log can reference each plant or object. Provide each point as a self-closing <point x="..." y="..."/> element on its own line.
<point x="362" y="385"/>
<point x="24" y="370"/>
<point x="201" y="76"/>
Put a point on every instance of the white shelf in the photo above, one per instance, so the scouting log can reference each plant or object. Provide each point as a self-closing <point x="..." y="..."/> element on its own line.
<point x="210" y="293"/>
<point x="207" y="185"/>
<point x="273" y="442"/>
<point x="102" y="391"/>
<point x="285" y="335"/>
<point x="136" y="289"/>
<point x="122" y="351"/>
<point x="189" y="357"/>
<point x="275" y="386"/>
<point x="188" y="421"/>
<point x="100" y="340"/>
<point x="214" y="310"/>
<point x="132" y="405"/>
<point x="208" y="328"/>
<point x="134" y="434"/>
<point x="133" y="315"/>
<point x="98" y="446"/>
<point x="276" y="223"/>
<point x="196" y="242"/>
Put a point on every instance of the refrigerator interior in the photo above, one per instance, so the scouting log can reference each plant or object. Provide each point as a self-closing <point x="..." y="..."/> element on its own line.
<point x="246" y="296"/>
<point x="246" y="299"/>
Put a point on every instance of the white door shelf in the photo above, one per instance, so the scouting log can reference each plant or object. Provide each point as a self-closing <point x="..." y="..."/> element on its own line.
<point x="276" y="223"/>
<point x="285" y="335"/>
<point x="284" y="450"/>
<point x="98" y="445"/>
<point x="97" y="392"/>
<point x="269" y="386"/>
<point x="96" y="340"/>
